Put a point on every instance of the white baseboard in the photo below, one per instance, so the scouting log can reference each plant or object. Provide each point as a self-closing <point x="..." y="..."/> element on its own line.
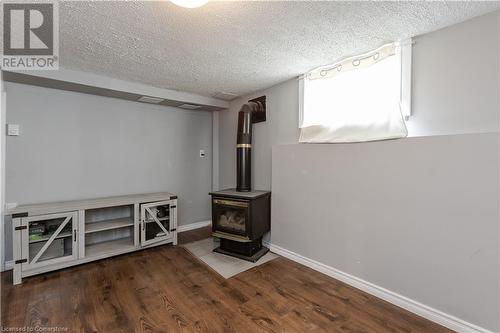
<point x="192" y="226"/>
<point x="420" y="309"/>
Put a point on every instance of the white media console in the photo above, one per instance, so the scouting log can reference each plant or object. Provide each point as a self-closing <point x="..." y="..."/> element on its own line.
<point x="56" y="235"/>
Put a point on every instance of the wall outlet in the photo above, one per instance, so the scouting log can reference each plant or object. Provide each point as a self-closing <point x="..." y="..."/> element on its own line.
<point x="202" y="153"/>
<point x="12" y="129"/>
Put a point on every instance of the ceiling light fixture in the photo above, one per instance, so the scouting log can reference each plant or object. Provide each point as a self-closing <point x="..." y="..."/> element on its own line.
<point x="189" y="3"/>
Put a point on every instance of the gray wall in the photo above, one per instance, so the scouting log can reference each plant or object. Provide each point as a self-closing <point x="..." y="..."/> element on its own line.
<point x="417" y="216"/>
<point x="281" y="126"/>
<point x="455" y="91"/>
<point x="75" y="146"/>
<point x="456" y="79"/>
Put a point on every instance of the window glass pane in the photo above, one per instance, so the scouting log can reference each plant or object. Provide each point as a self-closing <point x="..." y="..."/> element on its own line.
<point x="39" y="233"/>
<point x="153" y="229"/>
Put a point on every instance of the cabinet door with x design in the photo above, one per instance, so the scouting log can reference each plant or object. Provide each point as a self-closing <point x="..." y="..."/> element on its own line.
<point x="158" y="221"/>
<point x="48" y="239"/>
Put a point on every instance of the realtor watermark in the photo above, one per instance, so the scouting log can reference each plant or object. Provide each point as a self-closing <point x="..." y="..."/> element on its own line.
<point x="30" y="35"/>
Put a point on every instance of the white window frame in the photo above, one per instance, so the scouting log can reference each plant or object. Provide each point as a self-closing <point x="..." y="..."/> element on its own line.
<point x="406" y="82"/>
<point x="406" y="77"/>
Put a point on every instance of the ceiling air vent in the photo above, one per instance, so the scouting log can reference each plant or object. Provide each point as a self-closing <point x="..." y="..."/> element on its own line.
<point x="189" y="106"/>
<point x="225" y="96"/>
<point x="152" y="100"/>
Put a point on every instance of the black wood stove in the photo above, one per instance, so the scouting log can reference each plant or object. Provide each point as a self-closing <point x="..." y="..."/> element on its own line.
<point x="240" y="219"/>
<point x="241" y="216"/>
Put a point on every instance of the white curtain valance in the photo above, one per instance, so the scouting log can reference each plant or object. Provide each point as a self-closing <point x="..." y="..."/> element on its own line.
<point x="360" y="61"/>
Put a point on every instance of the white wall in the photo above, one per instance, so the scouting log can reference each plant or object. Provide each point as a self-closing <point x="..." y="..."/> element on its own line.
<point x="456" y="79"/>
<point x="75" y="146"/>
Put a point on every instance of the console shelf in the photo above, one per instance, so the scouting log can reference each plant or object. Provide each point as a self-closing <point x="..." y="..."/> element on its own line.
<point x="109" y="247"/>
<point x="46" y="238"/>
<point x="109" y="225"/>
<point x="70" y="233"/>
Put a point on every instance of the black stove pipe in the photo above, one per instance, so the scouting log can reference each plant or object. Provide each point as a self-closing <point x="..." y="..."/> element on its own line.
<point x="244" y="146"/>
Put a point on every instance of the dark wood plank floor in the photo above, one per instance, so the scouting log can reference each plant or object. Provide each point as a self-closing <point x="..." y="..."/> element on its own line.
<point x="165" y="289"/>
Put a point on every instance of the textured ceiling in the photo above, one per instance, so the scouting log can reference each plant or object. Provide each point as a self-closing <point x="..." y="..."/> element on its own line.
<point x="236" y="47"/>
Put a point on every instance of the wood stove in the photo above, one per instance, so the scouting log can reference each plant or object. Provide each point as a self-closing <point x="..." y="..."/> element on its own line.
<point x="241" y="216"/>
<point x="240" y="219"/>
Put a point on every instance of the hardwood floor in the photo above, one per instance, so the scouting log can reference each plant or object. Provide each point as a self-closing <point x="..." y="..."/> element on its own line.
<point x="165" y="289"/>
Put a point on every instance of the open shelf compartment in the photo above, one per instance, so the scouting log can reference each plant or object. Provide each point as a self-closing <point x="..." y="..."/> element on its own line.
<point x="112" y="246"/>
<point x="109" y="230"/>
<point x="109" y="241"/>
<point x="109" y="225"/>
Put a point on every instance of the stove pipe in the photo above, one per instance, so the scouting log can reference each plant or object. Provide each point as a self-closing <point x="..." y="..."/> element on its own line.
<point x="244" y="146"/>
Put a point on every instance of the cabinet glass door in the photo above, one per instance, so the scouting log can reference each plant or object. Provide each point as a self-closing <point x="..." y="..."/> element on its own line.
<point x="49" y="239"/>
<point x="156" y="222"/>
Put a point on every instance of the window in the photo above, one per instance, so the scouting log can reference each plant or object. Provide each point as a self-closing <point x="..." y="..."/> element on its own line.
<point x="361" y="98"/>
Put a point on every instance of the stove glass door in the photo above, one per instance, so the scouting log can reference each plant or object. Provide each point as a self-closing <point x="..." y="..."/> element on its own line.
<point x="230" y="216"/>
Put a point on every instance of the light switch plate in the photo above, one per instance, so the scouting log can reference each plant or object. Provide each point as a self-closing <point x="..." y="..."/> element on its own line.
<point x="12" y="129"/>
<point x="10" y="205"/>
<point x="202" y="153"/>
